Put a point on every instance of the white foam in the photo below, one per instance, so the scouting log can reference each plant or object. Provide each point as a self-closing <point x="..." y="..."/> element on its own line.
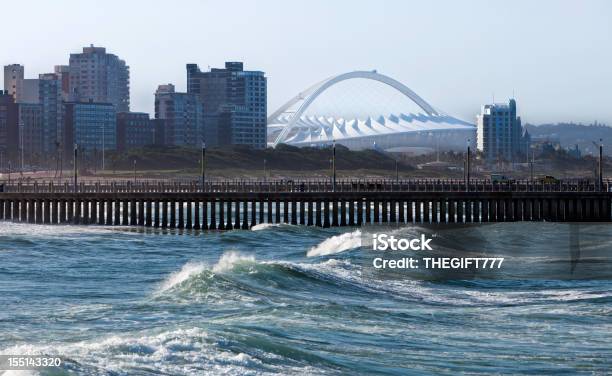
<point x="264" y="226"/>
<point x="178" y="351"/>
<point x="226" y="262"/>
<point x="176" y="278"/>
<point x="229" y="259"/>
<point x="53" y="231"/>
<point x="336" y="244"/>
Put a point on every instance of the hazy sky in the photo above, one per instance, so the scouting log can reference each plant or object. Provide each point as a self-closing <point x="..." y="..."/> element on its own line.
<point x="555" y="55"/>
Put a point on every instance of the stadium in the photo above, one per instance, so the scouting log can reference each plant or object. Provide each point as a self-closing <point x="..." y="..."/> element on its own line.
<point x="365" y="110"/>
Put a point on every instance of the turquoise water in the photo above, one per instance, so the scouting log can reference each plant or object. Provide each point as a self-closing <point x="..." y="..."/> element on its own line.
<point x="115" y="301"/>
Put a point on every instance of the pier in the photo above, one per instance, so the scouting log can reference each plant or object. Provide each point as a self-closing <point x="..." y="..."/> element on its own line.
<point x="227" y="205"/>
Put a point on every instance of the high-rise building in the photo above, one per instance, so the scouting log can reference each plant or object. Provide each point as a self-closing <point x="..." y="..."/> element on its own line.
<point x="9" y="132"/>
<point x="13" y="78"/>
<point x="159" y="131"/>
<point x="234" y="101"/>
<point x="92" y="126"/>
<point x="99" y="77"/>
<point x="50" y="99"/>
<point x="63" y="74"/>
<point x="183" y="114"/>
<point x="134" y="130"/>
<point x="500" y="134"/>
<point x="22" y="89"/>
<point x="29" y="91"/>
<point x="30" y="132"/>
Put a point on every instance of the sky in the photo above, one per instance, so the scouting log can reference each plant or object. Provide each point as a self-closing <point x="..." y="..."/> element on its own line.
<point x="554" y="57"/>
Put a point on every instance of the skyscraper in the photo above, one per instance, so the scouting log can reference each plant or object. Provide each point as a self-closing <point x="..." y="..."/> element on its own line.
<point x="134" y="130"/>
<point x="183" y="116"/>
<point x="30" y="133"/>
<point x="500" y="134"/>
<point x="99" y="77"/>
<point x="92" y="126"/>
<point x="22" y="89"/>
<point x="63" y="74"/>
<point x="9" y="132"/>
<point x="234" y="102"/>
<point x="50" y="99"/>
<point x="13" y="77"/>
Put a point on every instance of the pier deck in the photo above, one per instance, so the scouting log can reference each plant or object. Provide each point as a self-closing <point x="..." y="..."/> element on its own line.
<point x="241" y="205"/>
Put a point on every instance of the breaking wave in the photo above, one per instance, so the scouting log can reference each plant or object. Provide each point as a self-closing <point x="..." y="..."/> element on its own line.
<point x="179" y="351"/>
<point x="336" y="244"/>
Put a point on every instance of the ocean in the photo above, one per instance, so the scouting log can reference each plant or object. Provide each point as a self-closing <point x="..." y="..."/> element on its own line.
<point x="283" y="299"/>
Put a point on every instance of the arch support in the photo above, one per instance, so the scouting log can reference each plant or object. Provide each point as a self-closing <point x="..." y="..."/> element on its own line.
<point x="309" y="95"/>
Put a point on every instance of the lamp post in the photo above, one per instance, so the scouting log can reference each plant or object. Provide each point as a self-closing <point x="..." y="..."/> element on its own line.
<point x="334" y="166"/>
<point x="203" y="165"/>
<point x="21" y="136"/>
<point x="103" y="145"/>
<point x="264" y="172"/>
<point x="134" y="172"/>
<point x="600" y="164"/>
<point x="467" y="166"/>
<point x="531" y="164"/>
<point x="9" y="172"/>
<point x="75" y="169"/>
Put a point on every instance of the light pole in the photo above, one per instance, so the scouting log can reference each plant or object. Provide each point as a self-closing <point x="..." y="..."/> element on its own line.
<point x="9" y="172"/>
<point x="103" y="131"/>
<point x="134" y="172"/>
<point x="75" y="169"/>
<point x="600" y="164"/>
<point x="264" y="174"/>
<point x="467" y="166"/>
<point x="203" y="165"/>
<point x="531" y="165"/>
<point x="334" y="165"/>
<point x="21" y="131"/>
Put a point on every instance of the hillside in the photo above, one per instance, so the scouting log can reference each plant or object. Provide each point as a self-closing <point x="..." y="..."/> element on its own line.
<point x="570" y="134"/>
<point x="284" y="157"/>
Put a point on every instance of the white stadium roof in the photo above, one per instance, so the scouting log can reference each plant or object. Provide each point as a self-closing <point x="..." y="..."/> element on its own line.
<point x="292" y="124"/>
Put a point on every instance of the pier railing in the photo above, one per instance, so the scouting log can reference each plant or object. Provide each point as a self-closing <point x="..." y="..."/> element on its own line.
<point x="243" y="204"/>
<point x="311" y="185"/>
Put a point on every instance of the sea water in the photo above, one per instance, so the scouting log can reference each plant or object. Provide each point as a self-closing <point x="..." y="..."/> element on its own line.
<point x="283" y="299"/>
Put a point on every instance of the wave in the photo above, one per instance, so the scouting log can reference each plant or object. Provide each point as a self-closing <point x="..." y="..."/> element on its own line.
<point x="264" y="226"/>
<point x="336" y="244"/>
<point x="193" y="269"/>
<point x="63" y="232"/>
<point x="178" y="351"/>
<point x="238" y="277"/>
<point x="230" y="259"/>
<point x="188" y="270"/>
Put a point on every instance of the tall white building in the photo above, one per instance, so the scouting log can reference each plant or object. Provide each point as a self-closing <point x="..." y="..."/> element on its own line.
<point x="97" y="76"/>
<point x="22" y="89"/>
<point x="13" y="77"/>
<point x="500" y="134"/>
